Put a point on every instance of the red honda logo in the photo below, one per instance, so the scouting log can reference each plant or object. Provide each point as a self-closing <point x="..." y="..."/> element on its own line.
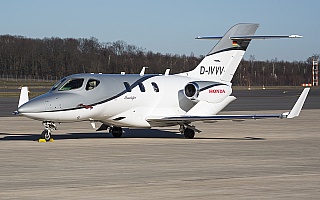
<point x="217" y="91"/>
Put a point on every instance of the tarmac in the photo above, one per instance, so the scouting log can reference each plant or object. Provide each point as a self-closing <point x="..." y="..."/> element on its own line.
<point x="256" y="99"/>
<point x="252" y="159"/>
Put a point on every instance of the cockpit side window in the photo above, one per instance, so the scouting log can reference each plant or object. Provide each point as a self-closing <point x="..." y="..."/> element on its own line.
<point x="92" y="83"/>
<point x="72" y="84"/>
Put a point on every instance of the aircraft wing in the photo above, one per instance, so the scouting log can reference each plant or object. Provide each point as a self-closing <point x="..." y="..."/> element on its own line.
<point x="176" y="120"/>
<point x="185" y="119"/>
<point x="189" y="119"/>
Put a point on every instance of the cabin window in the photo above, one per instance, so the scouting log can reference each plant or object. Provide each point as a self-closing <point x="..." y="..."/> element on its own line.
<point x="155" y="87"/>
<point x="142" y="88"/>
<point x="72" y="84"/>
<point x="127" y="86"/>
<point x="92" y="83"/>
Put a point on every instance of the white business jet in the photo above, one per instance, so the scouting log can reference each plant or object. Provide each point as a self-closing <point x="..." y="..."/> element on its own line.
<point x="145" y="101"/>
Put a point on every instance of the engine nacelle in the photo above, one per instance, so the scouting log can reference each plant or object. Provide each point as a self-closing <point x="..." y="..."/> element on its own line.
<point x="212" y="92"/>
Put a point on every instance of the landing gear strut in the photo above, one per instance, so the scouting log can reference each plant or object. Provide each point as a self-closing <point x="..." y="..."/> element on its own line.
<point x="116" y="131"/>
<point x="187" y="131"/>
<point x="49" y="127"/>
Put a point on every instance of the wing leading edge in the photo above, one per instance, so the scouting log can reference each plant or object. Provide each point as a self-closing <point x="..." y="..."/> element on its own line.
<point x="184" y="119"/>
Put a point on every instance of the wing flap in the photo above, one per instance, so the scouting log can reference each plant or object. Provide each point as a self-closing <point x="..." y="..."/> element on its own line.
<point x="188" y="119"/>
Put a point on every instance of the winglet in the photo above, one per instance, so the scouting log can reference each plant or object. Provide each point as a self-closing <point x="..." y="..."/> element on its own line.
<point x="24" y="97"/>
<point x="298" y="105"/>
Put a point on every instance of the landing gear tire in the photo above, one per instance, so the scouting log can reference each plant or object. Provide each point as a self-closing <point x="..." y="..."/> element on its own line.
<point x="46" y="135"/>
<point x="116" y="132"/>
<point x="189" y="133"/>
<point x="49" y="127"/>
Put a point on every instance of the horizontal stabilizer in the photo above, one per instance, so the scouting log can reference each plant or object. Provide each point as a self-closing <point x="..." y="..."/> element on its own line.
<point x="209" y="37"/>
<point x="250" y="37"/>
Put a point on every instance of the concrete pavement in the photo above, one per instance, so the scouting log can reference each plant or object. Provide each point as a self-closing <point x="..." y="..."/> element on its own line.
<point x="253" y="159"/>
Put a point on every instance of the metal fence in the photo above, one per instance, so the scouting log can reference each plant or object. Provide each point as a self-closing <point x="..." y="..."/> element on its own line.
<point x="47" y="78"/>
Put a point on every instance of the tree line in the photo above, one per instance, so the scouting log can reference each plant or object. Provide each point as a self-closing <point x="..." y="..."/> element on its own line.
<point x="57" y="57"/>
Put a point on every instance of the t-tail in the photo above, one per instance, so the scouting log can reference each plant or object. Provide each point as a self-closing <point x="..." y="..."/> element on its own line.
<point x="222" y="61"/>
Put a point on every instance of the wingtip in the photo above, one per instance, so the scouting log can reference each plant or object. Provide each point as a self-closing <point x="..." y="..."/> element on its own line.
<point x="295" y="111"/>
<point x="295" y="36"/>
<point x="24" y="97"/>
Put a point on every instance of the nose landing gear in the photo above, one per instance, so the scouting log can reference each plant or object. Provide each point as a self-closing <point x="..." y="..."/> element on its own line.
<point x="46" y="134"/>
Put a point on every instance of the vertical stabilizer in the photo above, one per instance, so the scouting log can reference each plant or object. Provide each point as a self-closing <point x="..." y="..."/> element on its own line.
<point x="222" y="61"/>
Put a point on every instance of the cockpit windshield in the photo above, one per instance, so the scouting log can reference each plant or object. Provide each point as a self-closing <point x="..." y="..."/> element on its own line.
<point x="72" y="84"/>
<point x="55" y="86"/>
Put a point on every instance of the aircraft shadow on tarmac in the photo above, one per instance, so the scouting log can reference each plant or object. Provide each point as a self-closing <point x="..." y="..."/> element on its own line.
<point x="132" y="133"/>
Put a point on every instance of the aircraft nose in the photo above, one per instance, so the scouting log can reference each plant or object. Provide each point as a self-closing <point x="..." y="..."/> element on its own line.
<point x="31" y="107"/>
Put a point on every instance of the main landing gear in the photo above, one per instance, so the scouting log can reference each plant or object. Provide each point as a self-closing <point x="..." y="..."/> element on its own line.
<point x="188" y="131"/>
<point x="46" y="134"/>
<point x="116" y="131"/>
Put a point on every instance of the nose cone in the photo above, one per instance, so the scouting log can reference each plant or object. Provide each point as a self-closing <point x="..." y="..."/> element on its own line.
<point x="33" y="106"/>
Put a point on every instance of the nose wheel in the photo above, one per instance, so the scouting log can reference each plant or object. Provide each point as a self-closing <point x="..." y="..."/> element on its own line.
<point x="46" y="134"/>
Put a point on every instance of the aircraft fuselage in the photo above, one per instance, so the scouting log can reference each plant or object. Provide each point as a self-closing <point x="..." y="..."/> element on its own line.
<point x="119" y="100"/>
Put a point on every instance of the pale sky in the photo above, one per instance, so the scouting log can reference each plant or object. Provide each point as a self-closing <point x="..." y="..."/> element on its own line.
<point x="169" y="26"/>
